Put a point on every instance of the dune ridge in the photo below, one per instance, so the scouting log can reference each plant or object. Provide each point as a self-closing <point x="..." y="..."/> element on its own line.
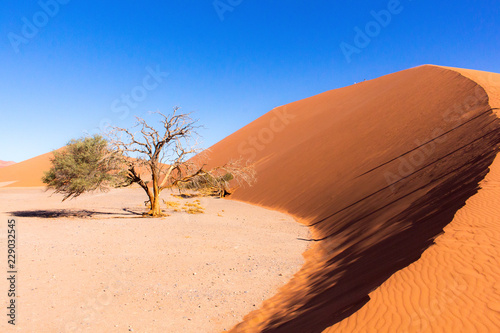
<point x="377" y="170"/>
<point x="454" y="286"/>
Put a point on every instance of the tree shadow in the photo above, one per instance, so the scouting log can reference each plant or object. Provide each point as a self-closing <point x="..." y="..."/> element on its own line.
<point x="76" y="213"/>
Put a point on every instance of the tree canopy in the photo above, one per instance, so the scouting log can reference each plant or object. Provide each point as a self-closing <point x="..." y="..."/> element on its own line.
<point x="84" y="165"/>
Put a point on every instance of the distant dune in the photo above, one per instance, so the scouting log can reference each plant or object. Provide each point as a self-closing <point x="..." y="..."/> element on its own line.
<point x="6" y="163"/>
<point x="26" y="173"/>
<point x="377" y="170"/>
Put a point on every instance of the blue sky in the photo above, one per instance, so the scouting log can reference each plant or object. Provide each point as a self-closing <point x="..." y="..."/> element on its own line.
<point x="67" y="66"/>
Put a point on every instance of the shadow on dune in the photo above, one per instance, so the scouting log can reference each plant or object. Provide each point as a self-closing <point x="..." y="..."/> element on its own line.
<point x="376" y="170"/>
<point x="350" y="273"/>
<point x="64" y="213"/>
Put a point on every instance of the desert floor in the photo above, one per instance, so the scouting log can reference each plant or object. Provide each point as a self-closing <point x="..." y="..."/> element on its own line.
<point x="93" y="265"/>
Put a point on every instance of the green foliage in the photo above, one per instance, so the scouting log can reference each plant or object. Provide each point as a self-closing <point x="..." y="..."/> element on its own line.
<point x="86" y="164"/>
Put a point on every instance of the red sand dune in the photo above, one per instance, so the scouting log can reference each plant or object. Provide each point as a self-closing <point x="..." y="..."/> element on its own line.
<point x="26" y="173"/>
<point x="455" y="286"/>
<point x="377" y="170"/>
<point x="6" y="163"/>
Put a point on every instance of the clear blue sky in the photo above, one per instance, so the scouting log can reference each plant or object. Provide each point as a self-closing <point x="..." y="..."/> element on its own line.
<point x="64" y="71"/>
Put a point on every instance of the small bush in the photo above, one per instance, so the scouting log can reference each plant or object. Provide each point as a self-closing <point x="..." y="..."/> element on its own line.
<point x="209" y="185"/>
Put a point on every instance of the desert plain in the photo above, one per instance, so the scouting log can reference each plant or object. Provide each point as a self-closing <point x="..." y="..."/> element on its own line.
<point x="93" y="264"/>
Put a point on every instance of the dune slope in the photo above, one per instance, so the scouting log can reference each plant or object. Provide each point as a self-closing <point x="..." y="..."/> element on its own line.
<point x="454" y="286"/>
<point x="27" y="173"/>
<point x="377" y="170"/>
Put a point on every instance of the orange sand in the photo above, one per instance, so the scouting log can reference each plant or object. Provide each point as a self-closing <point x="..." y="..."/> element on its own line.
<point x="27" y="173"/>
<point x="330" y="160"/>
<point x="455" y="286"/>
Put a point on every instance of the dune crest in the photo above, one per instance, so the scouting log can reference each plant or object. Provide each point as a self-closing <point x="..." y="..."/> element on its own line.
<point x="454" y="286"/>
<point x="377" y="170"/>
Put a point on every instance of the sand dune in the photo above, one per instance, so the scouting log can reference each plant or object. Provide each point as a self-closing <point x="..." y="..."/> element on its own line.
<point x="455" y="286"/>
<point x="27" y="173"/>
<point x="377" y="170"/>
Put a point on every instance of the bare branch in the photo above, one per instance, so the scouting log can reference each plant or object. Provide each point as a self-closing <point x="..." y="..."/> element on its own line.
<point x="164" y="154"/>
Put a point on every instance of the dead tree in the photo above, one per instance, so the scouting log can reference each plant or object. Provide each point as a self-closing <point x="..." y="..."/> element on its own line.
<point x="157" y="159"/>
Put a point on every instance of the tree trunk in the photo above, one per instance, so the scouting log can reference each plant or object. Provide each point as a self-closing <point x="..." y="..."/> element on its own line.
<point x="155" y="198"/>
<point x="155" y="207"/>
<point x="154" y="202"/>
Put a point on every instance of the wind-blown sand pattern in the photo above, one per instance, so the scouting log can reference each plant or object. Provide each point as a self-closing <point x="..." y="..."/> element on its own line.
<point x="377" y="170"/>
<point x="455" y="286"/>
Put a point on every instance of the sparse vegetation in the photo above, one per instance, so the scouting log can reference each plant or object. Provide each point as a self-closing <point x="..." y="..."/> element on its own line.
<point x="155" y="159"/>
<point x="193" y="208"/>
<point x="217" y="181"/>
<point x="171" y="204"/>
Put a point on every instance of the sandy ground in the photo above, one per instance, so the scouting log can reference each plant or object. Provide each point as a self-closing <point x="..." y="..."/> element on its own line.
<point x="111" y="271"/>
